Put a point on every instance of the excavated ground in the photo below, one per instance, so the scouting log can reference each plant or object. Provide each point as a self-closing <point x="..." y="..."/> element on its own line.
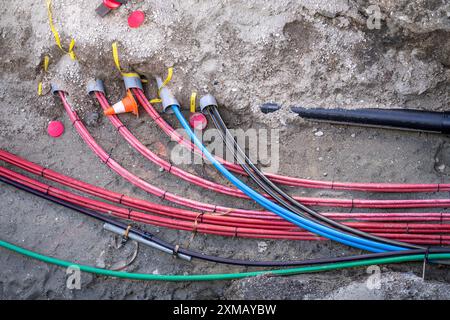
<point x="312" y="53"/>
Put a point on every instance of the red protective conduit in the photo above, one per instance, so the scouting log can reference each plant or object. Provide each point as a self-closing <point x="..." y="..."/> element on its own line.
<point x="369" y="187"/>
<point x="346" y="203"/>
<point x="125" y="213"/>
<point x="267" y="221"/>
<point x="136" y="144"/>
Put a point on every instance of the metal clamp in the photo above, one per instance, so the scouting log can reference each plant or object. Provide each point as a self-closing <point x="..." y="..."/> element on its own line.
<point x="206" y="101"/>
<point x="167" y="98"/>
<point x="133" y="82"/>
<point x="95" y="85"/>
<point x="140" y="239"/>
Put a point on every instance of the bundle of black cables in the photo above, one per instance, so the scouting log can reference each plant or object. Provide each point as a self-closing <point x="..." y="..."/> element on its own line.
<point x="280" y="196"/>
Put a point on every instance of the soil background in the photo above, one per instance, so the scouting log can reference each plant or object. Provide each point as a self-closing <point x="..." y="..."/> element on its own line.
<point x="310" y="53"/>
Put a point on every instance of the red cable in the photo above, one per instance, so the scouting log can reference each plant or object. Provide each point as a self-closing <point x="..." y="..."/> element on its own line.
<point x="368" y="187"/>
<point x="346" y="203"/>
<point x="229" y="219"/>
<point x="189" y="215"/>
<point x="202" y="227"/>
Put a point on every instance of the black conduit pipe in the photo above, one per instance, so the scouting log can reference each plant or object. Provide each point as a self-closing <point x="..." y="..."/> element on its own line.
<point x="405" y="119"/>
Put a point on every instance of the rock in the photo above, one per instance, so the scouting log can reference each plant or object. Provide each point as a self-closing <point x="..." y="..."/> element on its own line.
<point x="318" y="133"/>
<point x="392" y="285"/>
<point x="91" y="118"/>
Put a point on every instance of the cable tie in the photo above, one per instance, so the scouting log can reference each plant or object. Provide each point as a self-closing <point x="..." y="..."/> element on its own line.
<point x="42" y="172"/>
<point x="121" y="197"/>
<point x="129" y="214"/>
<point x="192" y="102"/>
<point x="194" y="232"/>
<point x="215" y="208"/>
<point x="109" y="157"/>
<point x="175" y="250"/>
<point x="425" y="262"/>
<point x="120" y="127"/>
<point x="201" y="216"/>
<point x="170" y="167"/>
<point x="45" y="67"/>
<point x="115" y="53"/>
<point x="164" y="195"/>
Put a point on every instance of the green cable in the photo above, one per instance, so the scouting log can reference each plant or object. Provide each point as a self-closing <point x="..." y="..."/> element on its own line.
<point x="223" y="276"/>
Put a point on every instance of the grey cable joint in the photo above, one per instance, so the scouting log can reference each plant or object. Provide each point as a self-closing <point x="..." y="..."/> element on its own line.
<point x="133" y="82"/>
<point x="95" y="85"/>
<point x="56" y="88"/>
<point x="207" y="100"/>
<point x="146" y="242"/>
<point x="166" y="96"/>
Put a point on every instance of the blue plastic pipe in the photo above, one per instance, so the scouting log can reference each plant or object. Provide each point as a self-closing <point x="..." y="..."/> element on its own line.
<point x="306" y="224"/>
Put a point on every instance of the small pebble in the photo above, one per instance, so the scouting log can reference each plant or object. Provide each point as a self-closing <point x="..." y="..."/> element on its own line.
<point x="325" y="174"/>
<point x="353" y="135"/>
<point x="318" y="134"/>
<point x="441" y="168"/>
<point x="91" y="118"/>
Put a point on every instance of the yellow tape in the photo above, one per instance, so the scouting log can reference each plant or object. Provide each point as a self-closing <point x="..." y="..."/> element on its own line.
<point x="193" y="99"/>
<point x="165" y="82"/>
<point x="116" y="56"/>
<point x="45" y="66"/>
<point x="56" y="34"/>
<point x="117" y="63"/>
<point x="46" y="63"/>
<point x="168" y="78"/>
<point x="115" y="53"/>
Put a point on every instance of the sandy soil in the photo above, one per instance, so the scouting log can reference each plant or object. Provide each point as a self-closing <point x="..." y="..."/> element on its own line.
<point x="309" y="53"/>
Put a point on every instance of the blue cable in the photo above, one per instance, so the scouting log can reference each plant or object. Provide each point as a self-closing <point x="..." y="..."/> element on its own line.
<point x="311" y="226"/>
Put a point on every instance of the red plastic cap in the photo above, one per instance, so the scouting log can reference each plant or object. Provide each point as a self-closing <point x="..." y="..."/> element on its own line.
<point x="55" y="129"/>
<point x="111" y="4"/>
<point x="136" y="18"/>
<point x="198" y="121"/>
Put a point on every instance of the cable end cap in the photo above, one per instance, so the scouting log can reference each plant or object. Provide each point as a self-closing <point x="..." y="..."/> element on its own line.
<point x="206" y="101"/>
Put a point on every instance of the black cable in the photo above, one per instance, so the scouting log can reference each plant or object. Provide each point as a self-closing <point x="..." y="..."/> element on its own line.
<point x="249" y="263"/>
<point x="276" y="192"/>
